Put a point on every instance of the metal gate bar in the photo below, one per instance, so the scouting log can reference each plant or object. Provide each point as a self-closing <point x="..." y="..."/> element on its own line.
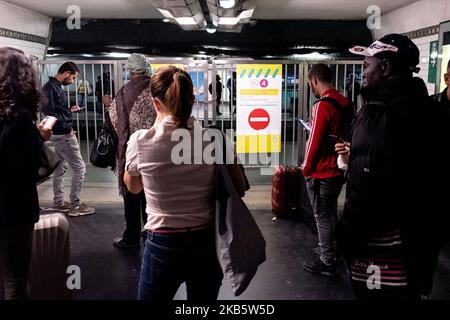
<point x="297" y="97"/>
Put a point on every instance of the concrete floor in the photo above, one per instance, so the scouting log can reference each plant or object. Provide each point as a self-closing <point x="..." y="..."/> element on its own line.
<point x="110" y="273"/>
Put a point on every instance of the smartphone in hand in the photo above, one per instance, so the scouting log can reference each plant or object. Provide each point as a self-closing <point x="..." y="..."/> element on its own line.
<point x="336" y="138"/>
<point x="305" y="124"/>
<point x="49" y="122"/>
<point x="75" y="109"/>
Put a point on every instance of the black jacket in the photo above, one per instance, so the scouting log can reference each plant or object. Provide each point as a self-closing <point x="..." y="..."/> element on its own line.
<point x="19" y="163"/>
<point x="442" y="98"/>
<point x="397" y="177"/>
<point x="383" y="174"/>
<point x="57" y="106"/>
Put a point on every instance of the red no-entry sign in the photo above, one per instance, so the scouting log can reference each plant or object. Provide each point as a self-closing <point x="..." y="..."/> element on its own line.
<point x="259" y="119"/>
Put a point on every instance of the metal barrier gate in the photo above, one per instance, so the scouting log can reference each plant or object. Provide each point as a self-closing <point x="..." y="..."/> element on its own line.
<point x="297" y="100"/>
<point x="101" y="77"/>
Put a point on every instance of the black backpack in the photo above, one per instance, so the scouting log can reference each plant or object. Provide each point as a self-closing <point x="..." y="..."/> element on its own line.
<point x="104" y="150"/>
<point x="348" y="114"/>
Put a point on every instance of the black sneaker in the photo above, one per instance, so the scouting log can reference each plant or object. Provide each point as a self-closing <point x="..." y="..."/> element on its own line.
<point x="318" y="267"/>
<point x="121" y="243"/>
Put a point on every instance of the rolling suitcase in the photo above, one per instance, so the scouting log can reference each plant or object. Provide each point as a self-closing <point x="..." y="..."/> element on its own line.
<point x="50" y="258"/>
<point x="290" y="199"/>
<point x="285" y="191"/>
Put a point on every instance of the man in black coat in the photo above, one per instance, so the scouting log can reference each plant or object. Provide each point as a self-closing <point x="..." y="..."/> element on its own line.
<point x="393" y="190"/>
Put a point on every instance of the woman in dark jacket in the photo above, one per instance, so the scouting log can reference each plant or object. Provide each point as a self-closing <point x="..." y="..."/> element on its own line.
<point x="20" y="142"/>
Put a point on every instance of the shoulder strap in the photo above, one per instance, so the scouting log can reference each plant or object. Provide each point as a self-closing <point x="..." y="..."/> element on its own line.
<point x="333" y="102"/>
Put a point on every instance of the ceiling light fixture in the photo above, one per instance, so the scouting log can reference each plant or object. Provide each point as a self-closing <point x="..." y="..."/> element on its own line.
<point x="231" y="21"/>
<point x="210" y="28"/>
<point x="118" y="55"/>
<point x="246" y="14"/>
<point x="227" y="4"/>
<point x="311" y="56"/>
<point x="165" y="13"/>
<point x="186" y="21"/>
<point x="166" y="20"/>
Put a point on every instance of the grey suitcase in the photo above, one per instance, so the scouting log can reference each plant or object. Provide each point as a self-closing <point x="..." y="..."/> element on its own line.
<point x="50" y="258"/>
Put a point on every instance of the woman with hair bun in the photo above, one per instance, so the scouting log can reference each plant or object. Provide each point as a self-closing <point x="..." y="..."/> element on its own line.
<point x="180" y="246"/>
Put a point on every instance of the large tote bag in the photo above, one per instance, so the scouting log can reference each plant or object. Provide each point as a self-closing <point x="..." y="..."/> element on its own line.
<point x="240" y="245"/>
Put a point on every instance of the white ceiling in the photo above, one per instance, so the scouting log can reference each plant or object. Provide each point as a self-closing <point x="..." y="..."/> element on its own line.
<point x="323" y="9"/>
<point x="265" y="9"/>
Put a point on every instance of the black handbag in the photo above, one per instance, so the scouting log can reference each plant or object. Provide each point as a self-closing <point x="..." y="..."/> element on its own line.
<point x="104" y="150"/>
<point x="49" y="160"/>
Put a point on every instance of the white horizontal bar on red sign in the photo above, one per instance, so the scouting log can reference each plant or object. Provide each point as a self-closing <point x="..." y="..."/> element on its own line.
<point x="255" y="119"/>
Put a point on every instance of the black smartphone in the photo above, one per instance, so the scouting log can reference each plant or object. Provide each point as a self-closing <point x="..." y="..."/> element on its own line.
<point x="336" y="138"/>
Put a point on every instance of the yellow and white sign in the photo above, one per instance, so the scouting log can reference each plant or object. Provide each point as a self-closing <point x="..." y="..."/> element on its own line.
<point x="258" y="109"/>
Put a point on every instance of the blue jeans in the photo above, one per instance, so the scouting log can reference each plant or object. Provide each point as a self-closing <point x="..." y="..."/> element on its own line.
<point x="81" y="100"/>
<point x="173" y="258"/>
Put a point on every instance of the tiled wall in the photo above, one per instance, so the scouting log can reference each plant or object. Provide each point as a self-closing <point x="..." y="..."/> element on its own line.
<point x="418" y="15"/>
<point x="424" y="46"/>
<point x="21" y="25"/>
<point x="422" y="14"/>
<point x="30" y="48"/>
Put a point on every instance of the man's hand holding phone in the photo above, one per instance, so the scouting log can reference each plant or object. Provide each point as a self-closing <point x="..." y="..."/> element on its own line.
<point x="336" y="138"/>
<point x="343" y="149"/>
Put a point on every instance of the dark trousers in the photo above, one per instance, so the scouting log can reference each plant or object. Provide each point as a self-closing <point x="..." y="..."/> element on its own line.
<point x="232" y="104"/>
<point x="134" y="205"/>
<point x="15" y="260"/>
<point x="173" y="258"/>
<point x="218" y="102"/>
<point x="324" y="194"/>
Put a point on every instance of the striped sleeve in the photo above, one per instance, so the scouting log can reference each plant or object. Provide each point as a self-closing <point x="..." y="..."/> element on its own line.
<point x="319" y="124"/>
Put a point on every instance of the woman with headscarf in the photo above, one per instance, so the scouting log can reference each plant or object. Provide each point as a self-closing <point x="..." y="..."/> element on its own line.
<point x="131" y="110"/>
